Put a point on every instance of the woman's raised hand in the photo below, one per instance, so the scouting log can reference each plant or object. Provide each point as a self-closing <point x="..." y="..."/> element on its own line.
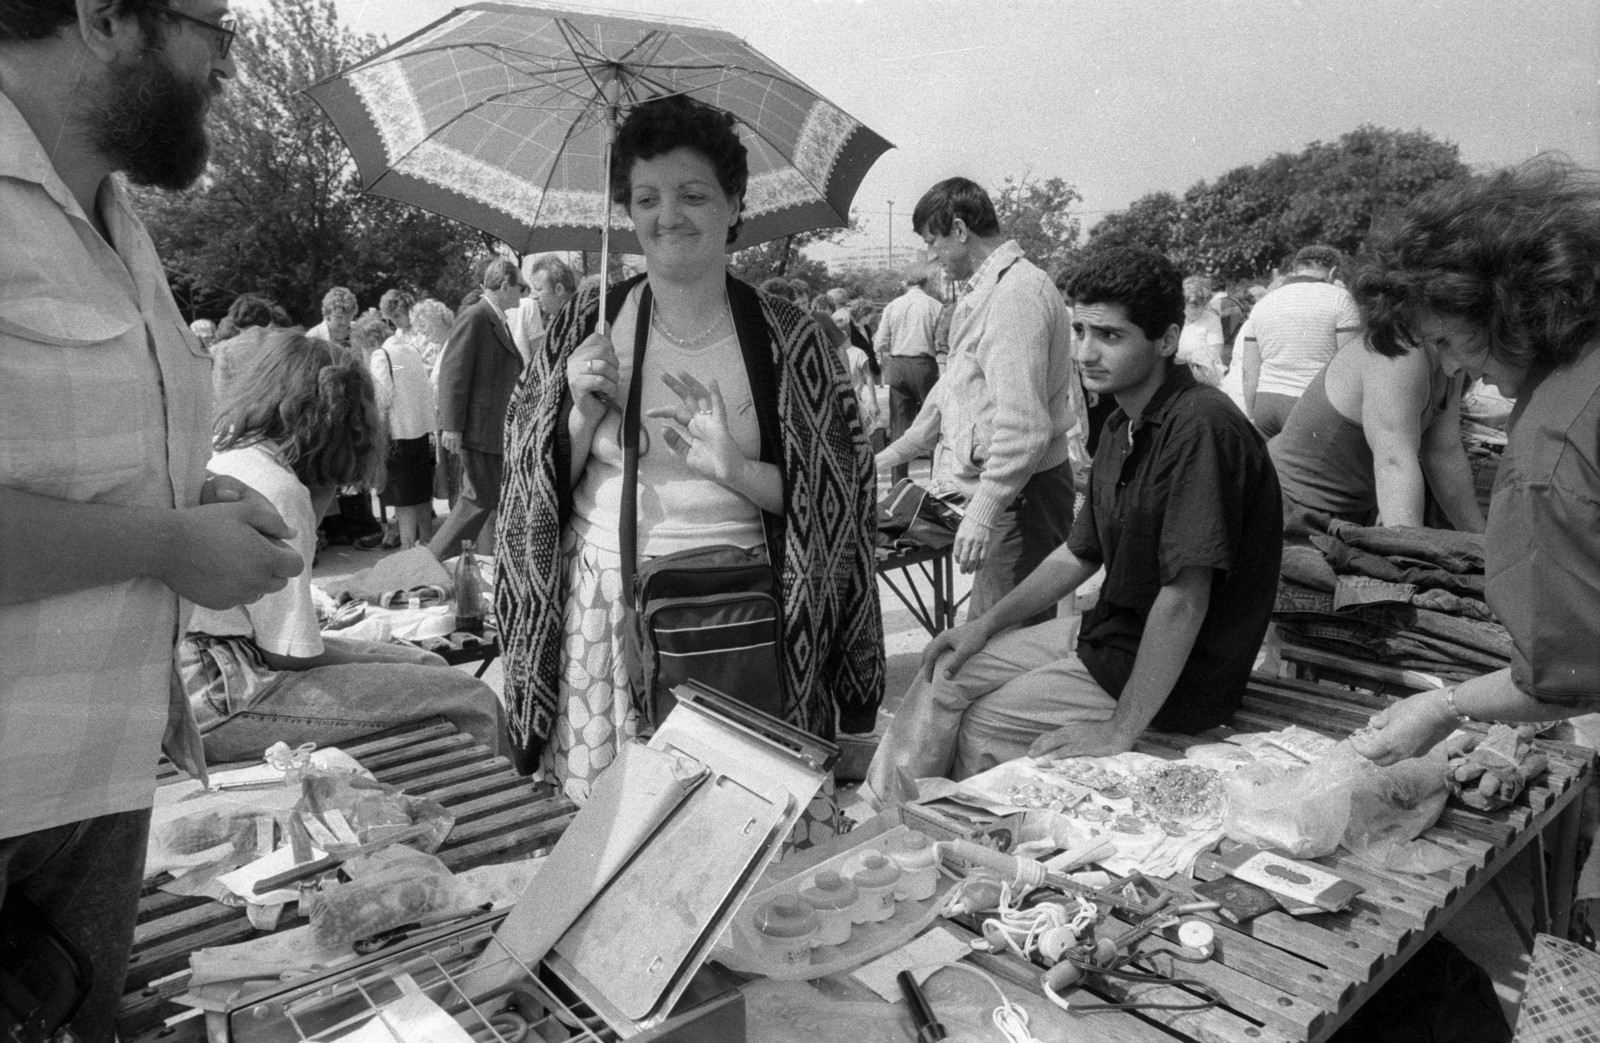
<point x="701" y="437"/>
<point x="592" y="375"/>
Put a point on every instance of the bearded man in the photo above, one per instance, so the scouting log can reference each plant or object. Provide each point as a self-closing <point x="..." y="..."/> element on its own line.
<point x="109" y="527"/>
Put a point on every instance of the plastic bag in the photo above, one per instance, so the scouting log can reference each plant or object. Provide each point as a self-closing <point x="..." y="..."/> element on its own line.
<point x="401" y="892"/>
<point x="342" y="811"/>
<point x="1341" y="797"/>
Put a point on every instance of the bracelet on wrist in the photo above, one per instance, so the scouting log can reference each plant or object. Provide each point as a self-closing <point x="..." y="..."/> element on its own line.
<point x="1449" y="696"/>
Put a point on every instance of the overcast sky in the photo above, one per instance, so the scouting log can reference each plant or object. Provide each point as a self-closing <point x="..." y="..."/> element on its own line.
<point x="1124" y="97"/>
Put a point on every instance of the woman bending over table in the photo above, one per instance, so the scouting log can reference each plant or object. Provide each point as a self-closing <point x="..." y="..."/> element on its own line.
<point x="1377" y="428"/>
<point x="1500" y="276"/>
<point x="303" y="422"/>
<point x="748" y="422"/>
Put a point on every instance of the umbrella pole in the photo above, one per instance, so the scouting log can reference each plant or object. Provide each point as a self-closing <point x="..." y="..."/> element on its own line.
<point x="605" y="213"/>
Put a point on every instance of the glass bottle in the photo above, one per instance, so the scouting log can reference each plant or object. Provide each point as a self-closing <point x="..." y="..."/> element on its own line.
<point x="469" y="591"/>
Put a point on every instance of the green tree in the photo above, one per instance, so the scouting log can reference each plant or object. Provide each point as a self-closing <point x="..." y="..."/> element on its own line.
<point x="1254" y="217"/>
<point x="1038" y="215"/>
<point x="785" y="257"/>
<point x="280" y="209"/>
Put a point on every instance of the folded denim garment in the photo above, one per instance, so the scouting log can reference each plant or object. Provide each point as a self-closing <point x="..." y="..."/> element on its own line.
<point x="1307" y="566"/>
<point x="1348" y="560"/>
<point x="1453" y="604"/>
<point x="1356" y="591"/>
<point x="1449" y="550"/>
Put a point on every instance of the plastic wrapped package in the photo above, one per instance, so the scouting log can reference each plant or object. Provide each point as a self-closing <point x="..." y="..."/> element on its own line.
<point x="342" y="812"/>
<point x="390" y="893"/>
<point x="1341" y="797"/>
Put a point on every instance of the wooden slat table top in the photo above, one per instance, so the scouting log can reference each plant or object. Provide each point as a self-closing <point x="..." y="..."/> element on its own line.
<point x="1284" y="978"/>
<point x="1326" y="966"/>
<point x="500" y="816"/>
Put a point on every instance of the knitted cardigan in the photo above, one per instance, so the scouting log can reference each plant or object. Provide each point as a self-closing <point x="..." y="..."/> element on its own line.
<point x="822" y="546"/>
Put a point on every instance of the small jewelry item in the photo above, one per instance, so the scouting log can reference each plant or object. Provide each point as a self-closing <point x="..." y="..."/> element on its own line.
<point x="699" y="338"/>
<point x="588" y="367"/>
<point x="1450" y="704"/>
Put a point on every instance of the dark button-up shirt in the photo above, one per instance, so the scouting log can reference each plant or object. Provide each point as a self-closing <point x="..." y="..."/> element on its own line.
<point x="1543" y="539"/>
<point x="1188" y="484"/>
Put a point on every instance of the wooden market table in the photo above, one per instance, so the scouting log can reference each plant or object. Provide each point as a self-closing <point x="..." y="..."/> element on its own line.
<point x="932" y="566"/>
<point x="1283" y="979"/>
<point x="461" y="647"/>
<point x="501" y="816"/>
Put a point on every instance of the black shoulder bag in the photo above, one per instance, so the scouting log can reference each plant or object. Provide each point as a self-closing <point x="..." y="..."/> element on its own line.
<point x="711" y="614"/>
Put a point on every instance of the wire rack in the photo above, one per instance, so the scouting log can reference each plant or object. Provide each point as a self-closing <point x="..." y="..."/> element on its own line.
<point x="526" y="1011"/>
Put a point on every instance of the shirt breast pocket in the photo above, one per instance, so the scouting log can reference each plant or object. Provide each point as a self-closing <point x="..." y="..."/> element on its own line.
<point x="81" y="412"/>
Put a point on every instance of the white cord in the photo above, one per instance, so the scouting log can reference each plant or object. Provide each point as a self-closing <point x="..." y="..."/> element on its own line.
<point x="1010" y="1019"/>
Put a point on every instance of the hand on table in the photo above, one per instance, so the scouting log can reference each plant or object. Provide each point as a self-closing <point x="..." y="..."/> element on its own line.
<point x="701" y="437"/>
<point x="1082" y="739"/>
<point x="972" y="545"/>
<point x="1409" y="728"/>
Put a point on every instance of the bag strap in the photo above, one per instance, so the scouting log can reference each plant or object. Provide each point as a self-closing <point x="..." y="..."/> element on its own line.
<point x="628" y="529"/>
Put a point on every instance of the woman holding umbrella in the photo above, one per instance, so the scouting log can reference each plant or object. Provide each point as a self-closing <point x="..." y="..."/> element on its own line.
<point x="749" y="436"/>
<point x="1501" y="276"/>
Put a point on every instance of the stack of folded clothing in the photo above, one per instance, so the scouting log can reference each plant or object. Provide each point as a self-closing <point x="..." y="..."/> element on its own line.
<point x="1403" y="597"/>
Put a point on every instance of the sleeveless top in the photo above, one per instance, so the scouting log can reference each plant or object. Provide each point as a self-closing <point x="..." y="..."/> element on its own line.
<point x="1324" y="462"/>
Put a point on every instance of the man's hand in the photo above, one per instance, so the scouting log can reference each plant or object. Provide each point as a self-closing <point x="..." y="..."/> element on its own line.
<point x="451" y="440"/>
<point x="972" y="545"/>
<point x="956" y="646"/>
<point x="1083" y="739"/>
<point x="1409" y="728"/>
<point x="230" y="550"/>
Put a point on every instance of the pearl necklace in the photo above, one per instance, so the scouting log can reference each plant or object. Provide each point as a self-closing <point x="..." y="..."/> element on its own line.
<point x="697" y="340"/>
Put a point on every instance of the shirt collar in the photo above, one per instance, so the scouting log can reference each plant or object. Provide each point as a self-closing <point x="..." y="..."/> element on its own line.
<point x="1179" y="379"/>
<point x="22" y="156"/>
<point x="1004" y="255"/>
<point x="1300" y="278"/>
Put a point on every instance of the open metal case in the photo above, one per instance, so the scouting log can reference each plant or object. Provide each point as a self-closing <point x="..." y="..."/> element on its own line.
<point x="632" y="966"/>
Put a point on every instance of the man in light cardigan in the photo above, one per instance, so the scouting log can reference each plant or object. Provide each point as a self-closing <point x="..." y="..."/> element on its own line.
<point x="1025" y="431"/>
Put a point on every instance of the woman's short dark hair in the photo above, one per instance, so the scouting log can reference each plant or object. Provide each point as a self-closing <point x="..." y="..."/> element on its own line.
<point x="315" y="402"/>
<point x="250" y="309"/>
<point x="656" y="127"/>
<point x="1147" y="285"/>
<point x="395" y="303"/>
<point x="1515" y="253"/>
<point x="937" y="210"/>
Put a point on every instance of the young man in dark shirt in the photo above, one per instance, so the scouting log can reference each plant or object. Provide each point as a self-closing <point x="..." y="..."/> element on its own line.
<point x="1184" y="515"/>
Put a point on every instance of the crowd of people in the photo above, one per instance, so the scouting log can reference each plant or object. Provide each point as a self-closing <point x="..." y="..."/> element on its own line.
<point x="160" y="495"/>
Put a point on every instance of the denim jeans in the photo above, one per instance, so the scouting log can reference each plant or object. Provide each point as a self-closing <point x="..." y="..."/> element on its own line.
<point x="387" y="685"/>
<point x="1444" y="548"/>
<point x="85" y="876"/>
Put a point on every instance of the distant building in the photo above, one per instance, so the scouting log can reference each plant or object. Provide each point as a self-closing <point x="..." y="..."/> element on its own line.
<point x="877" y="257"/>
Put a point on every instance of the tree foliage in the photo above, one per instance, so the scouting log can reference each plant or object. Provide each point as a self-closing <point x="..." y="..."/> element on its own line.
<point x="1038" y="215"/>
<point x="280" y="210"/>
<point x="784" y="258"/>
<point x="1254" y="217"/>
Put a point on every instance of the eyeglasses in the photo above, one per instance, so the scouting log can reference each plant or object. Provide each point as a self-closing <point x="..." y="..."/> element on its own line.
<point x="224" y="30"/>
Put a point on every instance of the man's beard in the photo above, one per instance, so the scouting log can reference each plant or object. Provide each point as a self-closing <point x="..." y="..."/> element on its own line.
<point x="152" y="124"/>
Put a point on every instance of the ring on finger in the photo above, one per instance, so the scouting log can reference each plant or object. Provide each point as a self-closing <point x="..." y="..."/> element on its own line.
<point x="589" y="367"/>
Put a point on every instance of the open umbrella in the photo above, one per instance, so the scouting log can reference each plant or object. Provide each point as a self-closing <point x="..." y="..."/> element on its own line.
<point x="501" y="116"/>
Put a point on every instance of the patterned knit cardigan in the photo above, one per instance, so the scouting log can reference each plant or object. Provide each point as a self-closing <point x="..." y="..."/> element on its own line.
<point x="822" y="546"/>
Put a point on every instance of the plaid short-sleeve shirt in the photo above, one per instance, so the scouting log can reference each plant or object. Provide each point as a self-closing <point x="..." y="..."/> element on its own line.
<point x="105" y="397"/>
